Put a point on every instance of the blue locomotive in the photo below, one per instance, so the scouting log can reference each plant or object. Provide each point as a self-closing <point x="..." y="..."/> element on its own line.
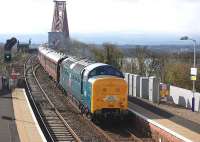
<point x="98" y="88"/>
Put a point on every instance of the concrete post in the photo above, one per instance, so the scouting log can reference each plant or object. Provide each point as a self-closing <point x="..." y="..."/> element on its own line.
<point x="154" y="89"/>
<point x="136" y="85"/>
<point x="130" y="84"/>
<point x="126" y="77"/>
<point x="144" y="87"/>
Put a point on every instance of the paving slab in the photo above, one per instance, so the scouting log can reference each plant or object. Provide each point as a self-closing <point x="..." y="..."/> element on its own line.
<point x="17" y="120"/>
<point x="27" y="126"/>
<point x="179" y="127"/>
<point x="8" y="129"/>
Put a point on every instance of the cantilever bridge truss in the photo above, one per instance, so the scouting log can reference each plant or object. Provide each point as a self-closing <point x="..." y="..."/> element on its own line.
<point x="60" y="22"/>
<point x="59" y="34"/>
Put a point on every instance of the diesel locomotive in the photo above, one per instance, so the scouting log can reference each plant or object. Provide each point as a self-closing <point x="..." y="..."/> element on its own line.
<point x="99" y="89"/>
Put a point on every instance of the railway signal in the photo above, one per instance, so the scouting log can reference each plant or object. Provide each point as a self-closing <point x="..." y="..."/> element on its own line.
<point x="7" y="57"/>
<point x="7" y="49"/>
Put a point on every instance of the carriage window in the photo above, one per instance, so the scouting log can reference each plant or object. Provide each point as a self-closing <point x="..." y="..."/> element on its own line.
<point x="106" y="70"/>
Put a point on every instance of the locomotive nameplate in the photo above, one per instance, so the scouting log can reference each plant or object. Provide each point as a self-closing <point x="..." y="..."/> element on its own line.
<point x="110" y="99"/>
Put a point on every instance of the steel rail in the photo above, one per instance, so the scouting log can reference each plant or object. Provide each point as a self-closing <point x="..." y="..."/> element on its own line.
<point x="55" y="109"/>
<point x="47" y="131"/>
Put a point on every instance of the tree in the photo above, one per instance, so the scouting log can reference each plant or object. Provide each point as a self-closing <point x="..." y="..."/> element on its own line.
<point x="108" y="54"/>
<point x="178" y="74"/>
<point x="113" y="55"/>
<point x="98" y="54"/>
<point x="75" y="48"/>
<point x="147" y="62"/>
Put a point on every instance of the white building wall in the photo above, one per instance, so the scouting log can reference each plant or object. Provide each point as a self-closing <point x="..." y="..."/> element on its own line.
<point x="183" y="97"/>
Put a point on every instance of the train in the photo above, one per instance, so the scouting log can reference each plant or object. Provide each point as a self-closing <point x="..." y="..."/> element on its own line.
<point x="98" y="89"/>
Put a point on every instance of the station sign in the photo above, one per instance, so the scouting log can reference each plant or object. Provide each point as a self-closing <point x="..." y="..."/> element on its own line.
<point x="193" y="78"/>
<point x="193" y="72"/>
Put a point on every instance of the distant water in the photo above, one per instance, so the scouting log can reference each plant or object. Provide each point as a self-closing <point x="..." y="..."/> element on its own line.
<point x="116" y="38"/>
<point x="35" y="38"/>
<point x="136" y="39"/>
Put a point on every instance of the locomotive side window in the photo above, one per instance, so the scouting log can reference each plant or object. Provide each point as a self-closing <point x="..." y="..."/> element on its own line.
<point x="105" y="70"/>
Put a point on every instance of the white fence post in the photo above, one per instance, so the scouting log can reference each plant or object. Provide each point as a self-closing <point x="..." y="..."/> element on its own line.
<point x="136" y="85"/>
<point x="144" y="87"/>
<point x="154" y="87"/>
<point x="131" y="84"/>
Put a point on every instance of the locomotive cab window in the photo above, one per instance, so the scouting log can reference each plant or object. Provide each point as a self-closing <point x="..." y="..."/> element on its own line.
<point x="105" y="70"/>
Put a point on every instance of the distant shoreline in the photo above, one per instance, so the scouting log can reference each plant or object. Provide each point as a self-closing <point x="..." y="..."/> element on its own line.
<point x="115" y="38"/>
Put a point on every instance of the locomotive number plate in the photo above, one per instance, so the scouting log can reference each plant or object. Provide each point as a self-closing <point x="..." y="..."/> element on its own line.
<point x="110" y="99"/>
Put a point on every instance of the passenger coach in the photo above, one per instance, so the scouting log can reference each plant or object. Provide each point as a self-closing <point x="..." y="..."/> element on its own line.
<point x="50" y="60"/>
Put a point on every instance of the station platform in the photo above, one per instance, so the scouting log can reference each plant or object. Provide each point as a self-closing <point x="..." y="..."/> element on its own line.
<point x="175" y="128"/>
<point x="17" y="120"/>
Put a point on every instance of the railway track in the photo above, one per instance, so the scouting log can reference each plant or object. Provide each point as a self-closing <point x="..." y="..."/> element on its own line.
<point x="55" y="126"/>
<point x="123" y="131"/>
<point x="82" y="126"/>
<point x="113" y="132"/>
<point x="57" y="113"/>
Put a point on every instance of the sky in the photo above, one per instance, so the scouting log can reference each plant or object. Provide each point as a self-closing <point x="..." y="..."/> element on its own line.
<point x="103" y="16"/>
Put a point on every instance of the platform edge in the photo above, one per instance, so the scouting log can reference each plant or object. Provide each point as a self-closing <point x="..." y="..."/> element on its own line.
<point x="161" y="126"/>
<point x="35" y="120"/>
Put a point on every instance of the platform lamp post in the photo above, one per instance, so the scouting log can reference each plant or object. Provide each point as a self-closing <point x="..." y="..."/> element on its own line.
<point x="194" y="69"/>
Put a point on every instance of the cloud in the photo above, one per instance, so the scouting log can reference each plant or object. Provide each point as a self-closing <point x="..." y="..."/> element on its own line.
<point x="129" y="1"/>
<point x="158" y="16"/>
<point x="189" y="1"/>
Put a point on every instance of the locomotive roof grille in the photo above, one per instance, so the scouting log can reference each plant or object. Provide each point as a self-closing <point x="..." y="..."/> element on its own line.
<point x="78" y="68"/>
<point x="68" y="63"/>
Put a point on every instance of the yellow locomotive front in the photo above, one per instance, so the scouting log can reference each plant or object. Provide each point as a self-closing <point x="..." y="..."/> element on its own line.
<point x="109" y="95"/>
